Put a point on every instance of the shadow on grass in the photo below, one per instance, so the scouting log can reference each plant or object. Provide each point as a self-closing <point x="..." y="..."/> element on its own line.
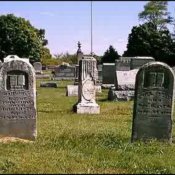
<point x="102" y="100"/>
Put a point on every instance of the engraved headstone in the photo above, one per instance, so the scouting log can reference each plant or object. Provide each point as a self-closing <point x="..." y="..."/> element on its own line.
<point x="125" y="80"/>
<point x="18" y="99"/>
<point x="86" y="89"/>
<point x="153" y="103"/>
<point x="38" y="67"/>
<point x="124" y="86"/>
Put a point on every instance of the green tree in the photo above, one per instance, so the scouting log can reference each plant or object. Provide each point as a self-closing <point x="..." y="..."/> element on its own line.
<point x="66" y="57"/>
<point x="146" y="40"/>
<point x="155" y="12"/>
<point x="110" y="55"/>
<point x="19" y="37"/>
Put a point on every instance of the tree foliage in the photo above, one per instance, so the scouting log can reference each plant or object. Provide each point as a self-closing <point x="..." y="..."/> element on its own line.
<point x="110" y="55"/>
<point x="46" y="57"/>
<point x="155" y="12"/>
<point x="19" y="37"/>
<point x="146" y="40"/>
<point x="66" y="57"/>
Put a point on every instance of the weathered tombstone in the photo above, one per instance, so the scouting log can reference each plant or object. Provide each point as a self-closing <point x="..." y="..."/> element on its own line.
<point x="86" y="89"/>
<point x="153" y="103"/>
<point x="123" y="64"/>
<point x="108" y="74"/>
<point x="64" y="72"/>
<point x="18" y="99"/>
<point x="137" y="62"/>
<point x="124" y="86"/>
<point x="38" y="67"/>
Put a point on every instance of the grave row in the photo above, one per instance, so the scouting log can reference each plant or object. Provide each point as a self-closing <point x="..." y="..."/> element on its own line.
<point x="153" y="100"/>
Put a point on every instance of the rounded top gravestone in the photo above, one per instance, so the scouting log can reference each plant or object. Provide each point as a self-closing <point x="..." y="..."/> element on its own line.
<point x="153" y="103"/>
<point x="18" y="99"/>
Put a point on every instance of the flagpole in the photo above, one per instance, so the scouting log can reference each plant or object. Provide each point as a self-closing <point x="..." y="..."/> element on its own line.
<point x="91" y="32"/>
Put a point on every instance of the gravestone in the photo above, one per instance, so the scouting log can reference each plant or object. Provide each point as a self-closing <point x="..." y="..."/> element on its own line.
<point x="18" y="99"/>
<point x="86" y="90"/>
<point x="64" y="72"/>
<point x="124" y="86"/>
<point x="123" y="64"/>
<point x="125" y="80"/>
<point x="153" y="103"/>
<point x="137" y="62"/>
<point x="108" y="74"/>
<point x="38" y="67"/>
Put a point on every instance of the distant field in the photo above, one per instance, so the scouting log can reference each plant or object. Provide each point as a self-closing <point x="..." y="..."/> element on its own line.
<point x="72" y="143"/>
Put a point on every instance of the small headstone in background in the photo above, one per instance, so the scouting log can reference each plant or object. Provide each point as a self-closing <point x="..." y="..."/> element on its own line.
<point x="38" y="67"/>
<point x="64" y="72"/>
<point x="108" y="74"/>
<point x="124" y="86"/>
<point x="153" y="103"/>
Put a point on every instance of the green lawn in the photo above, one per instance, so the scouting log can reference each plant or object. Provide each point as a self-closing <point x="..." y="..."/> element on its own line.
<point x="74" y="143"/>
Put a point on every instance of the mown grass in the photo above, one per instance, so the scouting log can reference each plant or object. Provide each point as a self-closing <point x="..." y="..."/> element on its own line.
<point x="74" y="143"/>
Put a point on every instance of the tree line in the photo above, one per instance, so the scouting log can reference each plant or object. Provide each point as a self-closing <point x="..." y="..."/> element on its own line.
<point x="152" y="38"/>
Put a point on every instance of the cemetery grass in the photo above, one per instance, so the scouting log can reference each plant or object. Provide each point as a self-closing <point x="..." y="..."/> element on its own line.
<point x="74" y="143"/>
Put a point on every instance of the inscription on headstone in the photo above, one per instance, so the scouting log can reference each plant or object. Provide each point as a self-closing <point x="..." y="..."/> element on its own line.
<point x="18" y="100"/>
<point x="153" y="104"/>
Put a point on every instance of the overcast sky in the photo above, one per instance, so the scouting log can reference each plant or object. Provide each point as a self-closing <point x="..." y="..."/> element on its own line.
<point x="67" y="22"/>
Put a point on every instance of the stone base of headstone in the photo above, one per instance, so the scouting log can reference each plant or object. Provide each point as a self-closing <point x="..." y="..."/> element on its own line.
<point x="87" y="108"/>
<point x="116" y="95"/>
<point x="24" y="128"/>
<point x="42" y="76"/>
<point x="72" y="90"/>
<point x="106" y="86"/>
<point x="48" y="84"/>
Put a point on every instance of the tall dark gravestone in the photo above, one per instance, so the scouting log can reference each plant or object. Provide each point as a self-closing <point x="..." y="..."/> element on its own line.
<point x="153" y="103"/>
<point x="18" y="99"/>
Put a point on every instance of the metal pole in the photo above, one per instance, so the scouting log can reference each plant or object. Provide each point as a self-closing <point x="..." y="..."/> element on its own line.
<point x="91" y="32"/>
